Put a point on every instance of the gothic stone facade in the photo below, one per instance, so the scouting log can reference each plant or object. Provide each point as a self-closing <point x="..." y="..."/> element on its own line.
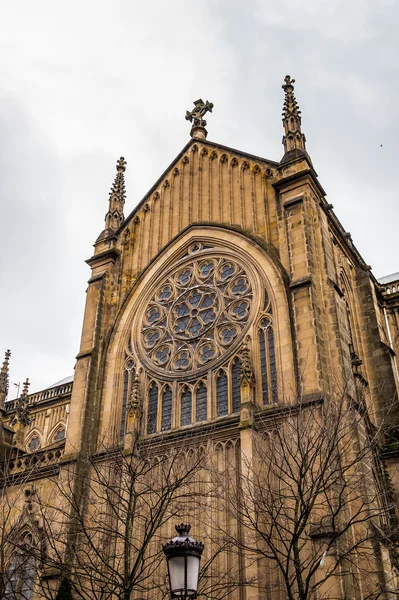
<point x="227" y="253"/>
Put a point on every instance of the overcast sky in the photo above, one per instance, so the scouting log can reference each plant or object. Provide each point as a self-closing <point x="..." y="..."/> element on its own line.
<point x="84" y="82"/>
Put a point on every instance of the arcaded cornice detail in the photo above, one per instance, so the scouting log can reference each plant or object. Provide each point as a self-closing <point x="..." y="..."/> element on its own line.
<point x="4" y="378"/>
<point x="293" y="138"/>
<point x="117" y="196"/>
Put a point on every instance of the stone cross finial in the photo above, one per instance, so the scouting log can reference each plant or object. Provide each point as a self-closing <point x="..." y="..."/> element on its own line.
<point x="196" y="117"/>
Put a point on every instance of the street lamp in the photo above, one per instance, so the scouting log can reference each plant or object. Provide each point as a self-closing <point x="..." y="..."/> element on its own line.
<point x="183" y="555"/>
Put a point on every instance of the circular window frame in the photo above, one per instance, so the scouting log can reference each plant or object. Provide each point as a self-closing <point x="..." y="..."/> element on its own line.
<point x="161" y="276"/>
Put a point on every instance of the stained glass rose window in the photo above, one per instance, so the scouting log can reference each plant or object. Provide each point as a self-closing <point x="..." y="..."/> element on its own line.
<point x="197" y="313"/>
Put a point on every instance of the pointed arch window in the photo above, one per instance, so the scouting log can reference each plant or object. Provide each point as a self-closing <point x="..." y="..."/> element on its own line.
<point x="21" y="572"/>
<point x="201" y="403"/>
<point x="60" y="435"/>
<point x="235" y="385"/>
<point x="166" y="409"/>
<point x="152" y="409"/>
<point x="186" y="407"/>
<point x="34" y="444"/>
<point x="222" y="396"/>
<point x="352" y="348"/>
<point x="268" y="365"/>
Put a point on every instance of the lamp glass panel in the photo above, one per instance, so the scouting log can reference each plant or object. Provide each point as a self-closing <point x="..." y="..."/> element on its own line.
<point x="193" y="563"/>
<point x="176" y="573"/>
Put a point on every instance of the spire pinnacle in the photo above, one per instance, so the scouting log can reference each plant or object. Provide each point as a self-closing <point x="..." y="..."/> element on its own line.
<point x="4" y="378"/>
<point x="293" y="138"/>
<point x="22" y="409"/>
<point x="117" y="197"/>
<point x="25" y="389"/>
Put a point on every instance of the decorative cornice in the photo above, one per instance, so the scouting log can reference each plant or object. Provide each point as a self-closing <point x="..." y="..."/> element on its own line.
<point x="103" y="258"/>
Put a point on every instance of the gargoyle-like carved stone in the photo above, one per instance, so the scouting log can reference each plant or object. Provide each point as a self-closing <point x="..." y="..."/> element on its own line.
<point x="135" y="398"/>
<point x="126" y="236"/>
<point x="246" y="371"/>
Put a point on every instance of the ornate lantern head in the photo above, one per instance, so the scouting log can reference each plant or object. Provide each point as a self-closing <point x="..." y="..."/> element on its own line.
<point x="183" y="555"/>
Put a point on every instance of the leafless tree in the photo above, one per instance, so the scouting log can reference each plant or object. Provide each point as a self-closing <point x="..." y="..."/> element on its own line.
<point x="21" y="540"/>
<point x="314" y="504"/>
<point x="123" y="509"/>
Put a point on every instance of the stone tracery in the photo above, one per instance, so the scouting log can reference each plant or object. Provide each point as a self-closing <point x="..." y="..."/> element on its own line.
<point x="197" y="313"/>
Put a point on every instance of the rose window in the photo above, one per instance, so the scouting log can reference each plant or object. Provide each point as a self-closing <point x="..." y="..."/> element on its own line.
<point x="196" y="315"/>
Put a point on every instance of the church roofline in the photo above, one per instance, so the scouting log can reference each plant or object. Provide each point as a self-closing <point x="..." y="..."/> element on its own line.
<point x="192" y="141"/>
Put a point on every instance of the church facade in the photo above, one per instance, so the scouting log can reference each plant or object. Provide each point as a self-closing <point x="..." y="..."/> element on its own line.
<point x="232" y="290"/>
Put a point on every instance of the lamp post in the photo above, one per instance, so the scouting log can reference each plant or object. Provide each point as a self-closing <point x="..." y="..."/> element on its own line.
<point x="183" y="555"/>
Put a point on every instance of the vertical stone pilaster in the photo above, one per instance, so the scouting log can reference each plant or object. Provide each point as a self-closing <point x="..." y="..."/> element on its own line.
<point x="84" y="413"/>
<point x="377" y="357"/>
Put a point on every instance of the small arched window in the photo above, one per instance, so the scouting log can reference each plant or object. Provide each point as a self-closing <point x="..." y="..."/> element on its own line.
<point x="60" y="435"/>
<point x="186" y="407"/>
<point x="222" y="397"/>
<point x="201" y="403"/>
<point x="166" y="409"/>
<point x="235" y="385"/>
<point x="268" y="362"/>
<point x="34" y="443"/>
<point x="152" y="409"/>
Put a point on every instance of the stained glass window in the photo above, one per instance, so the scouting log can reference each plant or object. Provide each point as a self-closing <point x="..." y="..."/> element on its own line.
<point x="205" y="301"/>
<point x="152" y="409"/>
<point x="34" y="444"/>
<point x="60" y="435"/>
<point x="273" y="368"/>
<point x="235" y="386"/>
<point x="186" y="407"/>
<point x="268" y="362"/>
<point x="201" y="403"/>
<point x="166" y="410"/>
<point x="124" y="404"/>
<point x="263" y="367"/>
<point x="222" y="394"/>
<point x="20" y="576"/>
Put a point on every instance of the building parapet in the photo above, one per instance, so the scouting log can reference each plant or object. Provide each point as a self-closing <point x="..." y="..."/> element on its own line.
<point x="43" y="396"/>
